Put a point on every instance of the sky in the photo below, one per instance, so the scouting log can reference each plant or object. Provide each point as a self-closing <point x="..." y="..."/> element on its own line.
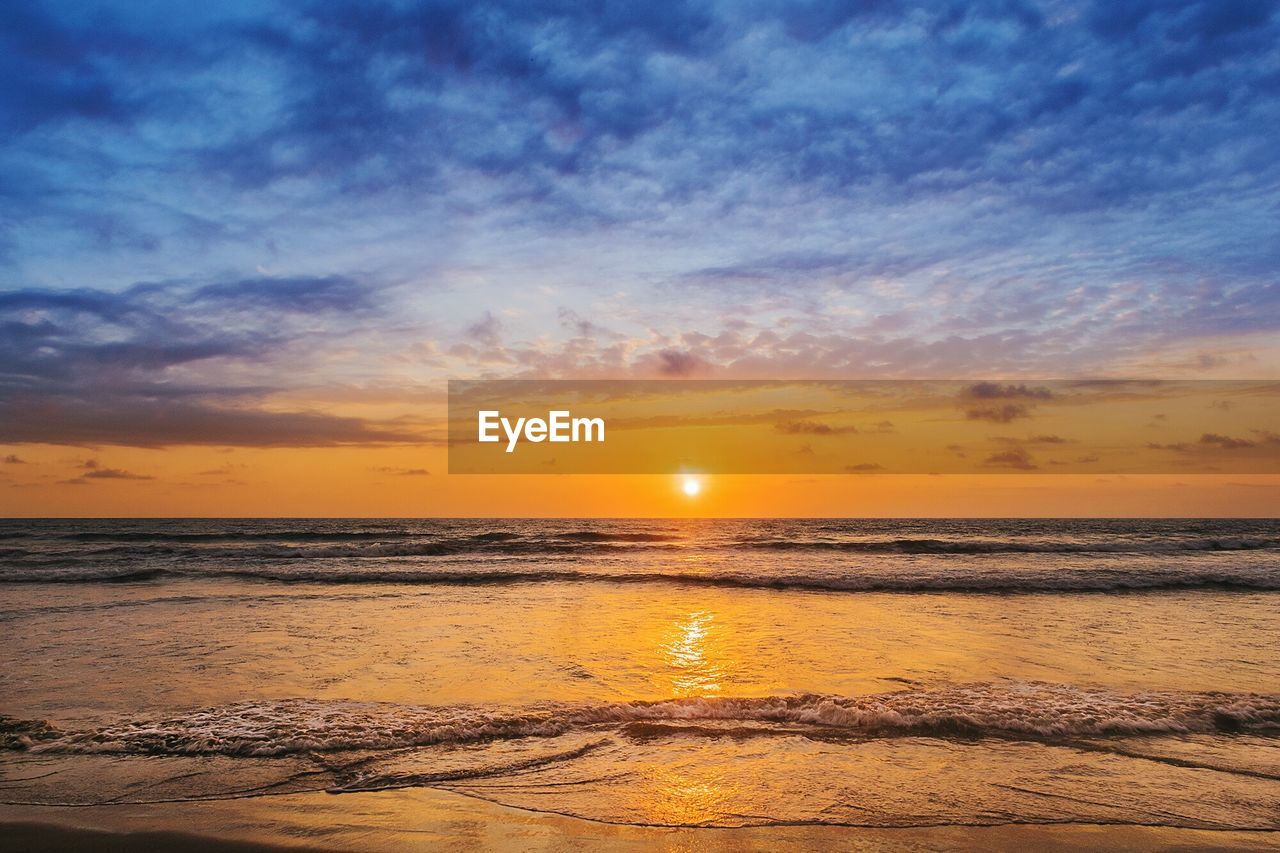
<point x="245" y="247"/>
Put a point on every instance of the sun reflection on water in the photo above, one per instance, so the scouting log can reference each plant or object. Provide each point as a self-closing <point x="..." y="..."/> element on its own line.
<point x="688" y="799"/>
<point x="689" y="653"/>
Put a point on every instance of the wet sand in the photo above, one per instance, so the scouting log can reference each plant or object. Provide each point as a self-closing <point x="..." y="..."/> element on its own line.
<point x="41" y="837"/>
<point x="442" y="820"/>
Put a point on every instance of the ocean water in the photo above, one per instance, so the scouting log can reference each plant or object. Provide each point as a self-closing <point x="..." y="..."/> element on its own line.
<point x="657" y="672"/>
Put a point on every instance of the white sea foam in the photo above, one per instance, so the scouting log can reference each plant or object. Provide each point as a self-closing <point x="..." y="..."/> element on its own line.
<point x="1023" y="710"/>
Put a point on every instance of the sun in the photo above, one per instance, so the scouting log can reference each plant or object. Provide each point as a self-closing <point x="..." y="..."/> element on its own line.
<point x="691" y="486"/>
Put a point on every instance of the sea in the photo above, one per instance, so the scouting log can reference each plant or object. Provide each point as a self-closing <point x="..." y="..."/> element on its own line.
<point x="657" y="672"/>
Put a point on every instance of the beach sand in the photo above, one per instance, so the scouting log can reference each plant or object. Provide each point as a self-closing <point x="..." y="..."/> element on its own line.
<point x="441" y="820"/>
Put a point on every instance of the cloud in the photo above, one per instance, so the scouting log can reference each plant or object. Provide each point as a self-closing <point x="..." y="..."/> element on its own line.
<point x="86" y="335"/>
<point x="14" y="459"/>
<point x="487" y="330"/>
<point x="1032" y="440"/>
<point x="1226" y="442"/>
<point x="114" y="474"/>
<point x="813" y="428"/>
<point x="758" y="189"/>
<point x="141" y="422"/>
<point x="534" y="91"/>
<point x="402" y="472"/>
<point x="145" y="366"/>
<point x="289" y="294"/>
<point x="997" y="391"/>
<point x="679" y="363"/>
<point x="998" y="414"/>
<point x="1016" y="458"/>
<point x="1211" y="441"/>
<point x="1001" y="413"/>
<point x="93" y="470"/>
<point x="56" y="73"/>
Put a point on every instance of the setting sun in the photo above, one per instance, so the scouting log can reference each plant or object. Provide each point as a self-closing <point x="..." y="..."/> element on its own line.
<point x="691" y="486"/>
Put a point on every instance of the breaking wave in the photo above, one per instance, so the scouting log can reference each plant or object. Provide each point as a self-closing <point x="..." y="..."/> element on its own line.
<point x="1257" y="577"/>
<point x="1029" y="710"/>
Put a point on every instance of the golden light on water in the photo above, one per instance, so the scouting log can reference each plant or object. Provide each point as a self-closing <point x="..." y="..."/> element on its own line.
<point x="687" y="796"/>
<point x="694" y="670"/>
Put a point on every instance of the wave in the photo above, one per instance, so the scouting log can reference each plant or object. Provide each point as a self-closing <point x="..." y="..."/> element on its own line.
<point x="280" y="552"/>
<point x="596" y="536"/>
<point x="866" y="579"/>
<point x="90" y="575"/>
<point x="1058" y="580"/>
<point x="234" y="536"/>
<point x="1029" y="710"/>
<point x="331" y="546"/>
<point x="432" y="549"/>
<point x="146" y="536"/>
<point x="1011" y="546"/>
<point x="351" y="546"/>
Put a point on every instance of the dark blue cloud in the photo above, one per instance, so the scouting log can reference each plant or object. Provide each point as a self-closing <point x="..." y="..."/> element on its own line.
<point x="1065" y="109"/>
<point x="302" y="294"/>
<point x="95" y="367"/>
<point x="80" y="336"/>
<point x="55" y="73"/>
<point x="103" y="419"/>
<point x="1070" y="111"/>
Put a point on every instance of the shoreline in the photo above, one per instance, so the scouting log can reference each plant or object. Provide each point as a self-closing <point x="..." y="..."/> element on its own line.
<point x="432" y="818"/>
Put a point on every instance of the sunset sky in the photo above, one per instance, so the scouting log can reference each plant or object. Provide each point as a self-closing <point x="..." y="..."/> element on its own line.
<point x="246" y="244"/>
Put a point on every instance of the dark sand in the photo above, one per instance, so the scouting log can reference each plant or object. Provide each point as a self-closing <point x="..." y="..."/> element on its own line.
<point x="432" y="820"/>
<point x="41" y="837"/>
